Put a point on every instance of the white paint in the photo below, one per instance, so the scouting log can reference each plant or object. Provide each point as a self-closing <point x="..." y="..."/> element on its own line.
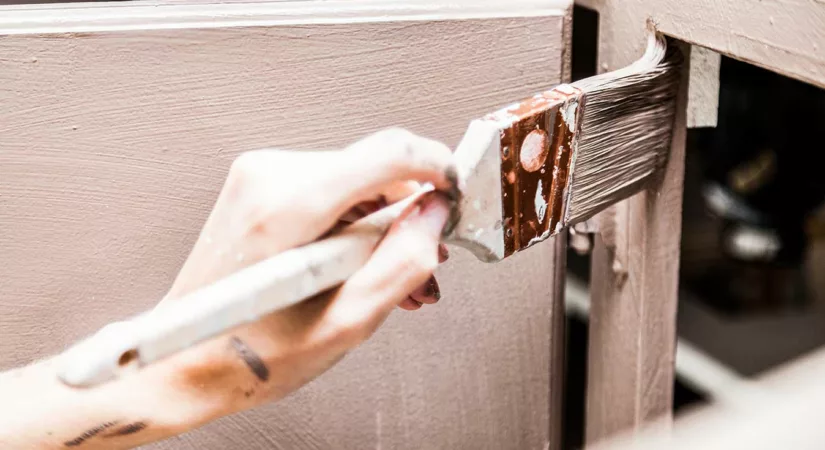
<point x="568" y="114"/>
<point x="541" y="238"/>
<point x="540" y="204"/>
<point x="566" y="89"/>
<point x="159" y="16"/>
<point x="477" y="204"/>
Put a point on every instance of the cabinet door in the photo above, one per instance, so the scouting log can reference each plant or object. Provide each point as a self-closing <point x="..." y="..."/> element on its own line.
<point x="119" y="124"/>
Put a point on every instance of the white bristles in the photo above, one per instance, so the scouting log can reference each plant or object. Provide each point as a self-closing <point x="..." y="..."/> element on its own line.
<point x="626" y="129"/>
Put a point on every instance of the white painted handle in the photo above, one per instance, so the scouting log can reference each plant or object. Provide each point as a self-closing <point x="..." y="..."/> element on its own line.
<point x="245" y="296"/>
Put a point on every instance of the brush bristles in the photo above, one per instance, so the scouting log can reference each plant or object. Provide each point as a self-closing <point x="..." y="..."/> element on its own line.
<point x="626" y="129"/>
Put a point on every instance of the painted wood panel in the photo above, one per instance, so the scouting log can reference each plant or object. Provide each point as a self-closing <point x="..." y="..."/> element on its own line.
<point x="783" y="36"/>
<point x="117" y="131"/>
<point x="632" y="338"/>
<point x="635" y="277"/>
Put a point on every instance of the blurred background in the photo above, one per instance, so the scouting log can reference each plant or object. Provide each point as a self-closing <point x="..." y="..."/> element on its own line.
<point x="752" y="269"/>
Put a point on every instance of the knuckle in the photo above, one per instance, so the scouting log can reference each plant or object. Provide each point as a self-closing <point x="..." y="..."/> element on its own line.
<point x="395" y="134"/>
<point x="244" y="166"/>
<point x="397" y="143"/>
<point x="243" y="176"/>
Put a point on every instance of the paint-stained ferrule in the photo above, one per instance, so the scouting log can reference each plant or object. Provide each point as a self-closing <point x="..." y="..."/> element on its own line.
<point x="538" y="141"/>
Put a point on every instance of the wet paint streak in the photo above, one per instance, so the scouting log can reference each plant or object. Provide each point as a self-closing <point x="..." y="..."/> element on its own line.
<point x="126" y="430"/>
<point x="255" y="363"/>
<point x="88" y="434"/>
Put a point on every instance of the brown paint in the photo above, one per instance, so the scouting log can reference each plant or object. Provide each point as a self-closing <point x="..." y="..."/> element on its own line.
<point x="252" y="360"/>
<point x="127" y="357"/>
<point x="566" y="137"/>
<point x="88" y="434"/>
<point x="126" y="430"/>
<point x="534" y="186"/>
<point x="99" y="219"/>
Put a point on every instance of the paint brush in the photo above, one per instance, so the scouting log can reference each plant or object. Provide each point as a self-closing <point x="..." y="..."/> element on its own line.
<point x="526" y="172"/>
<point x="561" y="156"/>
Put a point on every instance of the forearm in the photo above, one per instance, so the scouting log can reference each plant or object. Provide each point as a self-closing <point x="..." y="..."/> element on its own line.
<point x="40" y="412"/>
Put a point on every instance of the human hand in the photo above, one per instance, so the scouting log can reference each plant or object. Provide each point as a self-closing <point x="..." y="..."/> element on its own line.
<point x="276" y="200"/>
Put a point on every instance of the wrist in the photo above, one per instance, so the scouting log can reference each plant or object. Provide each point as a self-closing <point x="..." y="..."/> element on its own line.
<point x="42" y="412"/>
<point x="140" y="408"/>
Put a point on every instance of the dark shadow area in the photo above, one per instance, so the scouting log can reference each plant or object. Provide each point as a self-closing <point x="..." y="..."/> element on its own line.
<point x="752" y="190"/>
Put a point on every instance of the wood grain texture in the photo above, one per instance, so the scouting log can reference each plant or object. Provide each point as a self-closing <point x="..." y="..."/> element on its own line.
<point x="558" y="338"/>
<point x="114" y="144"/>
<point x="632" y="330"/>
<point x="703" y="87"/>
<point x="783" y="36"/>
<point x="634" y="273"/>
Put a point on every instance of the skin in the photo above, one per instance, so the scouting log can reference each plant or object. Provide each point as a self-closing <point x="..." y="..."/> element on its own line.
<point x="272" y="200"/>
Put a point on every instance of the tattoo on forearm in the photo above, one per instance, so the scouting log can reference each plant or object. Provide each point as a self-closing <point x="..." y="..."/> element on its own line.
<point x="88" y="434"/>
<point x="255" y="363"/>
<point x="125" y="430"/>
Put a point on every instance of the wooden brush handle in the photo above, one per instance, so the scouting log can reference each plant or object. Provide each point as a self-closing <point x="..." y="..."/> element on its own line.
<point x="245" y="296"/>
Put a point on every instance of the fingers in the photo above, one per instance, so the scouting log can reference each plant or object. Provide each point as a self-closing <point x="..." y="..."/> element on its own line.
<point x="396" y="155"/>
<point x="274" y="199"/>
<point x="399" y="190"/>
<point x="403" y="261"/>
<point x="428" y="293"/>
<point x="391" y="163"/>
<point x="300" y="195"/>
<point x="410" y="304"/>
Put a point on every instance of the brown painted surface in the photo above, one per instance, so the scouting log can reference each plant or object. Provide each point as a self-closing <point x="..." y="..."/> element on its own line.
<point x="534" y="180"/>
<point x="784" y="37"/>
<point x="634" y="273"/>
<point x="113" y="146"/>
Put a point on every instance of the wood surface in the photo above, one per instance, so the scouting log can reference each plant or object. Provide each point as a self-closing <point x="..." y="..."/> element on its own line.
<point x="703" y="87"/>
<point x="785" y="412"/>
<point x="784" y="36"/>
<point x="634" y="273"/>
<point x="114" y="143"/>
<point x="631" y="338"/>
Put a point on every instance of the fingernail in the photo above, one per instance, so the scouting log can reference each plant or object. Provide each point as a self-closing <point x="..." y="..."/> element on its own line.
<point x="432" y="289"/>
<point x="443" y="253"/>
<point x="433" y="213"/>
